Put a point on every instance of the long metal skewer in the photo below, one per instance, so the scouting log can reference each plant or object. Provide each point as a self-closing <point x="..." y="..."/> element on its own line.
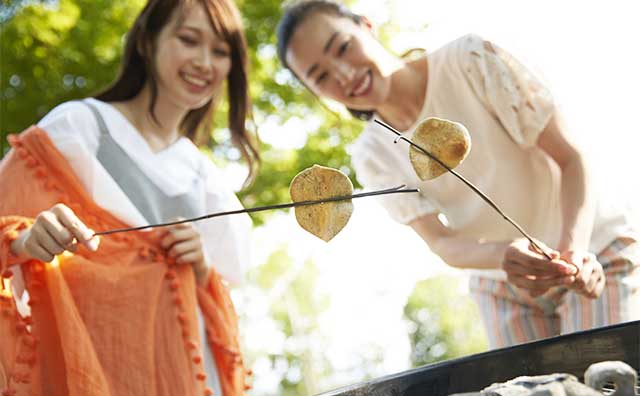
<point x="470" y="185"/>
<point x="395" y="190"/>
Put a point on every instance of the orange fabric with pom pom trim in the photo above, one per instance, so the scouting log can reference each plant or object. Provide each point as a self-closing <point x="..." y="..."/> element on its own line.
<point x="105" y="322"/>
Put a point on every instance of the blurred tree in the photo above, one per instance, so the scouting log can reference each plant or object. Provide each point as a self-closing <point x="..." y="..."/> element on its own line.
<point x="58" y="52"/>
<point x="281" y="309"/>
<point x="8" y="8"/>
<point x="293" y="307"/>
<point x="443" y="322"/>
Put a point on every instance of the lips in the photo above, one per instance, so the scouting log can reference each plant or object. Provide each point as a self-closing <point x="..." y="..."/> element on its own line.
<point x="196" y="81"/>
<point x="363" y="85"/>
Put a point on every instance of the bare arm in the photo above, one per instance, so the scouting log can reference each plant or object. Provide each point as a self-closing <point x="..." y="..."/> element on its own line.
<point x="578" y="207"/>
<point x="457" y="251"/>
<point x="525" y="267"/>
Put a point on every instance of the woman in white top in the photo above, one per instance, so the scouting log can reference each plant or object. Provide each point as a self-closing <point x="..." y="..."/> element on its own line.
<point x="133" y="149"/>
<point x="520" y="156"/>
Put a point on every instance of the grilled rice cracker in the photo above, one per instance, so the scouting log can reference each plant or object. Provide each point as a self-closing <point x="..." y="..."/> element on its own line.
<point x="446" y="140"/>
<point x="324" y="220"/>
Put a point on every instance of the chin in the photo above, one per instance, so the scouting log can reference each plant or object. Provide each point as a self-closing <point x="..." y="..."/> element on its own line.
<point x="191" y="104"/>
<point x="369" y="105"/>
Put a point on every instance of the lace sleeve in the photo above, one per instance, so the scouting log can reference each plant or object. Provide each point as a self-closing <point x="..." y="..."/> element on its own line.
<point x="520" y="101"/>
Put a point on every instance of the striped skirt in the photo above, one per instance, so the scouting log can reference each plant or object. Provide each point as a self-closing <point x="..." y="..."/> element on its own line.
<point x="512" y="317"/>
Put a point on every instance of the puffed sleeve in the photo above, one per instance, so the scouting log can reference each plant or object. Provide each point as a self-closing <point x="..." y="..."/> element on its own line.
<point x="372" y="171"/>
<point x="226" y="239"/>
<point x="72" y="123"/>
<point x="74" y="130"/>
<point x="519" y="99"/>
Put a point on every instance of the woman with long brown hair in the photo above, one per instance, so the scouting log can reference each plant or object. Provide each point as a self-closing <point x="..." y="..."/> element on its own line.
<point x="139" y="313"/>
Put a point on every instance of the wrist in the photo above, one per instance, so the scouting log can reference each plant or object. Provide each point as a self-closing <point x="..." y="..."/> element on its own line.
<point x="17" y="245"/>
<point x="500" y="250"/>
<point x="574" y="240"/>
<point x="201" y="271"/>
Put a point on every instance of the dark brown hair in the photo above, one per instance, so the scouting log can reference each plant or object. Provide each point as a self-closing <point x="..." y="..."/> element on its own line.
<point x="137" y="67"/>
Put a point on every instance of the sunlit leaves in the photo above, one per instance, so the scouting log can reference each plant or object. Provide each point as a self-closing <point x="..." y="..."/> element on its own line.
<point x="443" y="322"/>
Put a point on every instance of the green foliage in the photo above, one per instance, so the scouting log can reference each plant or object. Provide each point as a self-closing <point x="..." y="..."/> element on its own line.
<point x="51" y="54"/>
<point x="294" y="305"/>
<point x="443" y="322"/>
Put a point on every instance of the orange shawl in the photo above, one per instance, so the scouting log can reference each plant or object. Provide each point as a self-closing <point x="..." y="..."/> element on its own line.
<point x="118" y="322"/>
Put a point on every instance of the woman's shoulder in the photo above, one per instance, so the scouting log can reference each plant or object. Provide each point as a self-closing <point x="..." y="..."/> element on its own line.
<point x="72" y="120"/>
<point x="473" y="47"/>
<point x="470" y="44"/>
<point x="452" y="57"/>
<point x="73" y="111"/>
<point x="468" y="41"/>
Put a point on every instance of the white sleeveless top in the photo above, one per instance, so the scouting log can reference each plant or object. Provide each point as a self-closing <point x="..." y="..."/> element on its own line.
<point x="74" y="130"/>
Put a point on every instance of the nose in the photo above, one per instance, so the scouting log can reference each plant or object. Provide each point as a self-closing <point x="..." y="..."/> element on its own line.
<point x="203" y="61"/>
<point x="344" y="72"/>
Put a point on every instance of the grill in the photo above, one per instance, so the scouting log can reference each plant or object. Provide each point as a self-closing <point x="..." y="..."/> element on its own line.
<point x="571" y="353"/>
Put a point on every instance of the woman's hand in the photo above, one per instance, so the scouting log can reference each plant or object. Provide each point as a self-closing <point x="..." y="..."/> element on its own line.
<point x="182" y="242"/>
<point x="54" y="231"/>
<point x="590" y="279"/>
<point x="533" y="272"/>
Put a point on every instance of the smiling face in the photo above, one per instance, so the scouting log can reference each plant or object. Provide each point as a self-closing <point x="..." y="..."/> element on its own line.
<point x="339" y="59"/>
<point x="191" y="60"/>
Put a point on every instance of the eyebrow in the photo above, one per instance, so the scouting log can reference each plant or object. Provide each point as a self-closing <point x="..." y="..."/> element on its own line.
<point x="191" y="28"/>
<point x="324" y="51"/>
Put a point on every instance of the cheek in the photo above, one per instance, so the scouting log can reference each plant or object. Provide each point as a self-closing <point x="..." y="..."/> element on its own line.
<point x="326" y="89"/>
<point x="168" y="57"/>
<point x="332" y="89"/>
<point x="224" y="67"/>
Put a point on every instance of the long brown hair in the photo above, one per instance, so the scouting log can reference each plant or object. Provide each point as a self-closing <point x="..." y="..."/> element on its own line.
<point x="138" y="67"/>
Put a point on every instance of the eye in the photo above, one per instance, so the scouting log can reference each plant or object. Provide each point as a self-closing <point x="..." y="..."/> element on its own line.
<point x="189" y="41"/>
<point x="221" y="51"/>
<point x="321" y="78"/>
<point x="343" y="47"/>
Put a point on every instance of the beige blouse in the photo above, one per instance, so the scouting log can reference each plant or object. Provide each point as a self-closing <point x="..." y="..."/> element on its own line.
<point x="505" y="108"/>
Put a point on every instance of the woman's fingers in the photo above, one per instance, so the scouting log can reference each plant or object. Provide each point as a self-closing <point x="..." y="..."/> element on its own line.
<point x="178" y="234"/>
<point x="54" y="231"/>
<point x="590" y="287"/>
<point x="521" y="261"/>
<point x="545" y="268"/>
<point x="540" y="284"/>
<point x="46" y="241"/>
<point x="595" y="284"/>
<point x="600" y="283"/>
<point x="591" y="279"/>
<point x="33" y="249"/>
<point x="193" y="256"/>
<point x="77" y="228"/>
<point x="184" y="247"/>
<point x="183" y="243"/>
